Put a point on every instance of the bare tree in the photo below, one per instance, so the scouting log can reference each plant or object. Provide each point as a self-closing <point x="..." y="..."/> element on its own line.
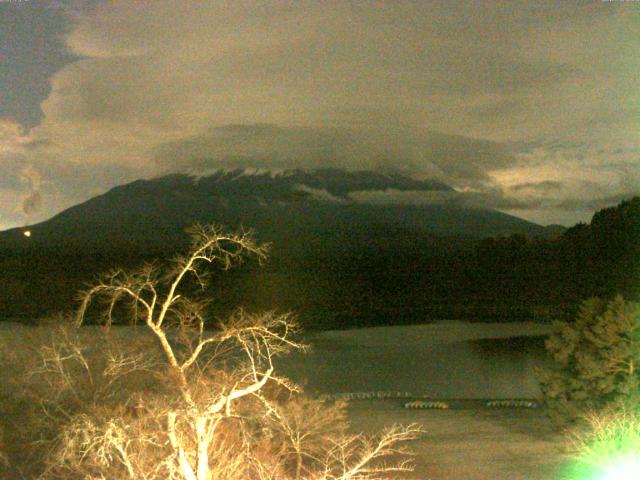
<point x="217" y="408"/>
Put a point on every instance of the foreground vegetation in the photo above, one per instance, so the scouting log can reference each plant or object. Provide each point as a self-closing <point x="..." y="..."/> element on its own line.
<point x="187" y="402"/>
<point x="593" y="389"/>
<point x="596" y="360"/>
<point x="495" y="443"/>
<point x="182" y="402"/>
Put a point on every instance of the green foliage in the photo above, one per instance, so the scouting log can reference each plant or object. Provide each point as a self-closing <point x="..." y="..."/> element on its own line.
<point x="596" y="359"/>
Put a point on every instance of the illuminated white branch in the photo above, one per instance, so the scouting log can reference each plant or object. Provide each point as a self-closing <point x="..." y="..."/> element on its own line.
<point x="221" y="401"/>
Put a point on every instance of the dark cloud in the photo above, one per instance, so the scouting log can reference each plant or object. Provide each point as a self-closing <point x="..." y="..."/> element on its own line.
<point x="487" y="199"/>
<point x="32" y="204"/>
<point x="594" y="204"/>
<point x="406" y="197"/>
<point x="31" y="52"/>
<point x="420" y="153"/>
<point x="542" y="187"/>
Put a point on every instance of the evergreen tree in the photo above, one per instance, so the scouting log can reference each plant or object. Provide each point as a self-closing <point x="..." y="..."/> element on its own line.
<point x="596" y="359"/>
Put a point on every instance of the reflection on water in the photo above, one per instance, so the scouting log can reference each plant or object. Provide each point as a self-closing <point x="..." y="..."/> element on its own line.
<point x="509" y="348"/>
<point x="442" y="360"/>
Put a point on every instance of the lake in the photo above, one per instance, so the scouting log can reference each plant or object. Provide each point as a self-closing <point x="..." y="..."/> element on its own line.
<point x="445" y="359"/>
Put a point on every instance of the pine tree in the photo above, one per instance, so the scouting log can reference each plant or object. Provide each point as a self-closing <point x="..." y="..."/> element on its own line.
<point x="595" y="360"/>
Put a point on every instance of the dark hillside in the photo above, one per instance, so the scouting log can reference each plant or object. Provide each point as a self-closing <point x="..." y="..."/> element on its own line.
<point x="601" y="258"/>
<point x="335" y="261"/>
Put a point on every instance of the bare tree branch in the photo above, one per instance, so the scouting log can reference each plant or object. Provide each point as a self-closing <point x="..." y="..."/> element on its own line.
<point x="222" y="411"/>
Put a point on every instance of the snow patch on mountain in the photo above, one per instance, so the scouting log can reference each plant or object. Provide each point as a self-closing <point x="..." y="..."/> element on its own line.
<point x="226" y="174"/>
<point x="320" y="194"/>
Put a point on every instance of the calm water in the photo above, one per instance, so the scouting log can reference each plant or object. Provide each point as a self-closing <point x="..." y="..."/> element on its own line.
<point x="448" y="359"/>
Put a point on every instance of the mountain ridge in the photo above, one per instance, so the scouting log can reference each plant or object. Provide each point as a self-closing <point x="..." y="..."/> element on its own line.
<point x="335" y="258"/>
<point x="183" y="197"/>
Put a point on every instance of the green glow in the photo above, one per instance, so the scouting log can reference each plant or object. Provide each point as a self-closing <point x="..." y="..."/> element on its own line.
<point x="620" y="468"/>
<point x="610" y="447"/>
<point x="625" y="469"/>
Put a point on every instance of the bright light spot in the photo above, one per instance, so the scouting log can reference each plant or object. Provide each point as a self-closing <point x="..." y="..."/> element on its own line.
<point x="626" y="469"/>
<point x="27" y="233"/>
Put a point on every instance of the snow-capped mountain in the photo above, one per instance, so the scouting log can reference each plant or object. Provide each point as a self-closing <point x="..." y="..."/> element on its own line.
<point x="347" y="248"/>
<point x="331" y="204"/>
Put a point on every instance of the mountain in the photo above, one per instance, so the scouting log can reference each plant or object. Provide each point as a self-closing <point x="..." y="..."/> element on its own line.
<point x="346" y="245"/>
<point x="554" y="231"/>
<point x="277" y="204"/>
<point x="598" y="259"/>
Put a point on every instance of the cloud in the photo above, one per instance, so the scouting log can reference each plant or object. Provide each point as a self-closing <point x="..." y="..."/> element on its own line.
<point x="543" y="187"/>
<point x="13" y="138"/>
<point x="421" y="153"/>
<point x="181" y="69"/>
<point x="35" y="183"/>
<point x="572" y="179"/>
<point x="19" y="180"/>
<point x="546" y="202"/>
<point x="490" y="198"/>
<point x="32" y="204"/>
<point x="406" y="197"/>
<point x="445" y="90"/>
<point x="32" y="179"/>
<point x="320" y="194"/>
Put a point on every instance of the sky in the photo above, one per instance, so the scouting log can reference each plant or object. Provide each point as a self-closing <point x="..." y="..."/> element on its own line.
<point x="532" y="107"/>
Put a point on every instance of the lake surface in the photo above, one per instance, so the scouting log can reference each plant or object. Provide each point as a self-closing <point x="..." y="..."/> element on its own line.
<point x="446" y="359"/>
